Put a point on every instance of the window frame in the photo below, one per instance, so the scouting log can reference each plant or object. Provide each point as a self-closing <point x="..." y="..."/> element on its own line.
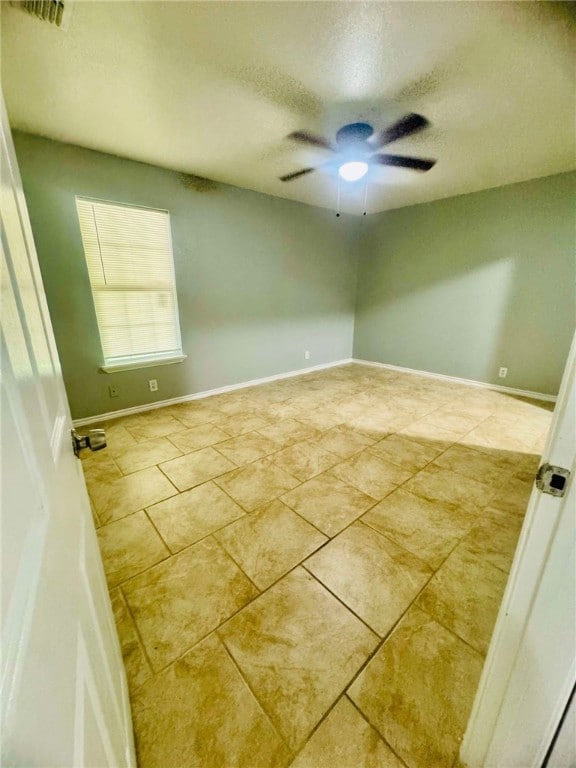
<point x="144" y="360"/>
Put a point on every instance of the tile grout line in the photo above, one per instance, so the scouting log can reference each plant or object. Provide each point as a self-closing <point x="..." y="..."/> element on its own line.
<point x="389" y="635"/>
<point x="265" y="712"/>
<point x="138" y="636"/>
<point x="242" y="571"/>
<point x="339" y="599"/>
<point x="452" y="632"/>
<point x="301" y="563"/>
<point x="178" y="492"/>
<point x="277" y="498"/>
<point x="170" y="553"/>
<point x="380" y="736"/>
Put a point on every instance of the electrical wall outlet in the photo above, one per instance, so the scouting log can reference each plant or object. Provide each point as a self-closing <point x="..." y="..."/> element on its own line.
<point x="153" y="385"/>
<point x="502" y="373"/>
<point x="114" y="391"/>
<point x="307" y="355"/>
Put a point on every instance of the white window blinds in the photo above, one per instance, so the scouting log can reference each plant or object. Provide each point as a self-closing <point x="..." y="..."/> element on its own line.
<point x="129" y="255"/>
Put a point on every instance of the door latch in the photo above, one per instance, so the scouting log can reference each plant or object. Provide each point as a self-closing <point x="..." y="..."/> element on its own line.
<point x="95" y="440"/>
<point x="552" y="480"/>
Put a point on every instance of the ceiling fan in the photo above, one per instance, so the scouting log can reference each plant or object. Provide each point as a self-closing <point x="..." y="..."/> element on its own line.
<point x="358" y="149"/>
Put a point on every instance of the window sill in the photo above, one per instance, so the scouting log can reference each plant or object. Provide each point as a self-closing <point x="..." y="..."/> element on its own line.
<point x="114" y="367"/>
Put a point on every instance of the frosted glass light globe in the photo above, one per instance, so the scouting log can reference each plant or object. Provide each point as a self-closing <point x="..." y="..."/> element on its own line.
<point x="353" y="171"/>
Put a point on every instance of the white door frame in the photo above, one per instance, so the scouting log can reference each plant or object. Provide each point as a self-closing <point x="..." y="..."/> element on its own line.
<point x="530" y="668"/>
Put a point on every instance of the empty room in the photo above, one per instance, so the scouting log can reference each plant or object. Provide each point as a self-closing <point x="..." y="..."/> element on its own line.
<point x="288" y="384"/>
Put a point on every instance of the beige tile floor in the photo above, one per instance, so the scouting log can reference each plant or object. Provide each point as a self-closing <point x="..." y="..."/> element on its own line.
<point x="308" y="572"/>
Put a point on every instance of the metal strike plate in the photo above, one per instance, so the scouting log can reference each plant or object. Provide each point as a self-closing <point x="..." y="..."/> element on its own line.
<point x="552" y="480"/>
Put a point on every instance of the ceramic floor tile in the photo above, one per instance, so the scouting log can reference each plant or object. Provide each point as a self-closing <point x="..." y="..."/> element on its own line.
<point x="526" y="473"/>
<point x="95" y="518"/>
<point x="405" y="453"/>
<point x="508" y="520"/>
<point x="146" y="454"/>
<point x="154" y="424"/>
<point x="494" y="543"/>
<point x="436" y="484"/>
<point x="446" y="418"/>
<point x="464" y="596"/>
<point x="418" y="405"/>
<point x="268" y="543"/>
<point x="256" y="484"/>
<point x="179" y="601"/>
<point x="138" y="668"/>
<point x="321" y="419"/>
<point x="359" y="405"/>
<point x="184" y="519"/>
<point x="429" y="435"/>
<point x="373" y="576"/>
<point x="118" y="438"/>
<point x="194" y="438"/>
<point x="418" y="691"/>
<point x="233" y="403"/>
<point x="474" y="409"/>
<point x="513" y="496"/>
<point x="378" y="424"/>
<point x="285" y="410"/>
<point x="499" y="433"/>
<point x="529" y="462"/>
<point x="247" y="510"/>
<point x="117" y="498"/>
<point x="493" y="470"/>
<point x="328" y="503"/>
<point x="346" y="740"/>
<point x="288" y="431"/>
<point x="304" y="460"/>
<point x="129" y="546"/>
<point x="297" y="647"/>
<point x="344" y="442"/>
<point x="371" y="474"/>
<point x="100" y="468"/>
<point x="247" y="448"/>
<point x="200" y="713"/>
<point x="196" y="468"/>
<point x="428" y="529"/>
<point x="194" y="414"/>
<point x="241" y="424"/>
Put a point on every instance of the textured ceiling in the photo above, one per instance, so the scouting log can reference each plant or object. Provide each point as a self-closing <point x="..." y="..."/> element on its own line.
<point x="213" y="88"/>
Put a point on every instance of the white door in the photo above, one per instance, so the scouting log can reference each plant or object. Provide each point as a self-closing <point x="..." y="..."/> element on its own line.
<point x="530" y="668"/>
<point x="63" y="686"/>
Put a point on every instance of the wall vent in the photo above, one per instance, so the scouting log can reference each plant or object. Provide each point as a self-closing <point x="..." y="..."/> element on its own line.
<point x="54" y="12"/>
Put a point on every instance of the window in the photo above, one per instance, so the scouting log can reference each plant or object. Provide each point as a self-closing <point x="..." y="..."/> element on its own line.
<point x="129" y="256"/>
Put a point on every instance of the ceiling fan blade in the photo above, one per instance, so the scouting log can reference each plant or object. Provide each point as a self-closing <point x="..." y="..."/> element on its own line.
<point x="399" y="161"/>
<point x="296" y="174"/>
<point x="406" y="126"/>
<point x="308" y="138"/>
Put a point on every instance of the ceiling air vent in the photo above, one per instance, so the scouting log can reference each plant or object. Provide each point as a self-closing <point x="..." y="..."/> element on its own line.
<point x="55" y="12"/>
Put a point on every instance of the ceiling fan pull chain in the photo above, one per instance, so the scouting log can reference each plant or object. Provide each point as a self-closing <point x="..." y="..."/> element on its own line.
<point x="338" y="199"/>
<point x="365" y="196"/>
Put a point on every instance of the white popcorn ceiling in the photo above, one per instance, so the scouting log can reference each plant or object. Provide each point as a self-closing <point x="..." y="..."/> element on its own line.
<point x="212" y="89"/>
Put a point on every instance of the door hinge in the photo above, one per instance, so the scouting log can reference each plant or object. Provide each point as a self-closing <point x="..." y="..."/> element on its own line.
<point x="552" y="480"/>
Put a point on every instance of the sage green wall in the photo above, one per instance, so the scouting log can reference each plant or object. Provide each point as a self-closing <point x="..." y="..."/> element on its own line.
<point x="460" y="286"/>
<point x="259" y="279"/>
<point x="466" y="285"/>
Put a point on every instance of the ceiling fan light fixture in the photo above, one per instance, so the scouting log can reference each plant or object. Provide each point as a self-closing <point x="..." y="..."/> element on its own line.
<point x="354" y="170"/>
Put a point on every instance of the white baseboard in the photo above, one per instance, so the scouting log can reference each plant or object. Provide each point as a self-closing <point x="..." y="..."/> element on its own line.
<point x="469" y="382"/>
<point x="289" y="374"/>
<point x="207" y="393"/>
